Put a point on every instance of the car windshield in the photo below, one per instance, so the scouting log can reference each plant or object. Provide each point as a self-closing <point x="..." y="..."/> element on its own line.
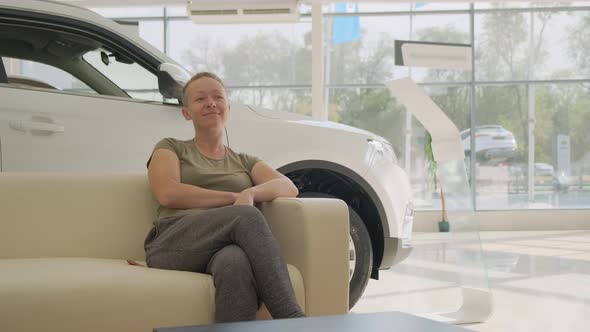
<point x="135" y="80"/>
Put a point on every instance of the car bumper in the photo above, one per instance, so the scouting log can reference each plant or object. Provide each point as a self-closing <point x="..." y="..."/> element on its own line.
<point x="499" y="153"/>
<point x="394" y="251"/>
<point x="393" y="192"/>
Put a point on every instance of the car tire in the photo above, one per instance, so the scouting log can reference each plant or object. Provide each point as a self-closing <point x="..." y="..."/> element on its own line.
<point x="360" y="253"/>
<point x="363" y="262"/>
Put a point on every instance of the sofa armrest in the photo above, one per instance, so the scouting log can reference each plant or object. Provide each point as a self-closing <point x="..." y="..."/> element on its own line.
<point x="313" y="236"/>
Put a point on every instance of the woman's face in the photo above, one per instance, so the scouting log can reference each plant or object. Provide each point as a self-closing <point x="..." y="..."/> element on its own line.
<point x="206" y="104"/>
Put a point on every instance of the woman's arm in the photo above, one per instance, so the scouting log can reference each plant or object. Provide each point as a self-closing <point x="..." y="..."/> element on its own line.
<point x="164" y="177"/>
<point x="268" y="185"/>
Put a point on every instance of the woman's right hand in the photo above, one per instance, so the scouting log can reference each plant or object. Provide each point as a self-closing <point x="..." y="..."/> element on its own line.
<point x="246" y="197"/>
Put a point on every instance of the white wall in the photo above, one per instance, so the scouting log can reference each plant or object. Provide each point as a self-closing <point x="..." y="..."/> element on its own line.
<point x="513" y="220"/>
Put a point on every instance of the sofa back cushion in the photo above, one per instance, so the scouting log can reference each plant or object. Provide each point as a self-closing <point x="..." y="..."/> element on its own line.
<point x="74" y="215"/>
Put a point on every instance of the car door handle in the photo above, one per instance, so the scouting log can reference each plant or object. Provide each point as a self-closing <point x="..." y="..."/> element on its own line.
<point x="36" y="126"/>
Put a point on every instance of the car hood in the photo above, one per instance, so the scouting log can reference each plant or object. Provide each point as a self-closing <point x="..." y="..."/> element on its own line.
<point x="308" y="121"/>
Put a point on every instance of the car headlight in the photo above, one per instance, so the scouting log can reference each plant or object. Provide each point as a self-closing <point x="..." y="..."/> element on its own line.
<point x="382" y="151"/>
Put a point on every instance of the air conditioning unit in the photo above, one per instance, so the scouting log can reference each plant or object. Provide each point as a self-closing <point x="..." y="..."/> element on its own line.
<point x="246" y="11"/>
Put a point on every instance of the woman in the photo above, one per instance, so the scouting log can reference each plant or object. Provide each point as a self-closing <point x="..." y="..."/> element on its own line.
<point x="207" y="221"/>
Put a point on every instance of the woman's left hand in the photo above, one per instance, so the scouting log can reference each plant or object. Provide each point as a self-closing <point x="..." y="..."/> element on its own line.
<point x="246" y="197"/>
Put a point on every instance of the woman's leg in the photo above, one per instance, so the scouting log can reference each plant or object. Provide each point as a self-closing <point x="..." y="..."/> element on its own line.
<point x="188" y="243"/>
<point x="253" y="235"/>
<point x="235" y="286"/>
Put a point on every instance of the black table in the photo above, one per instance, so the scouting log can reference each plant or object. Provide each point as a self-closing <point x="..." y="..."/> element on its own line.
<point x="373" y="322"/>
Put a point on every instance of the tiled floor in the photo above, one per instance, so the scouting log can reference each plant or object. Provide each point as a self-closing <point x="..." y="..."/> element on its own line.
<point x="540" y="281"/>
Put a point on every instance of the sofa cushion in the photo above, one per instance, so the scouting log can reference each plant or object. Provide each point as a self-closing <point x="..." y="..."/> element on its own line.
<point x="90" y="294"/>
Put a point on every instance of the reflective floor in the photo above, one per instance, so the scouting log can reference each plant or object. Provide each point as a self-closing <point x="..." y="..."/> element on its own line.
<point x="540" y="281"/>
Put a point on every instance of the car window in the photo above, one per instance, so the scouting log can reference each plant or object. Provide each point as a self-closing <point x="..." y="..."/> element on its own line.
<point x="136" y="81"/>
<point x="68" y="60"/>
<point x="26" y="73"/>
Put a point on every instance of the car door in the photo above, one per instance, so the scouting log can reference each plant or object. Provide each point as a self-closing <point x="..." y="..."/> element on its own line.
<point x="64" y="108"/>
<point x="54" y="131"/>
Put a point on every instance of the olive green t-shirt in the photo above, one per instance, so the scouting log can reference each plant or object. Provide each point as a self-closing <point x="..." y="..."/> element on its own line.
<point x="231" y="173"/>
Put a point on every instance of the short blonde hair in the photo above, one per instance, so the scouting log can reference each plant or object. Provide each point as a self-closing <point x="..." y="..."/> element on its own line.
<point x="198" y="76"/>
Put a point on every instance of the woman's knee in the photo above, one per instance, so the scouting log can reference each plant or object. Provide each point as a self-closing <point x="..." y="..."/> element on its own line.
<point x="230" y="261"/>
<point x="251" y="217"/>
<point x="249" y="211"/>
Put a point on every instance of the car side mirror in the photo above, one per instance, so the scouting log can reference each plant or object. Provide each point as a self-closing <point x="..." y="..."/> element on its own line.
<point x="171" y="80"/>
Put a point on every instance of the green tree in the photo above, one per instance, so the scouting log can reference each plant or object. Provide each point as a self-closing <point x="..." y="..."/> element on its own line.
<point x="579" y="53"/>
<point x="579" y="44"/>
<point x="264" y="59"/>
<point x="453" y="100"/>
<point x="562" y="109"/>
<point x="261" y="60"/>
<point x="207" y="55"/>
<point x="372" y="109"/>
<point x="357" y="62"/>
<point x="505" y="54"/>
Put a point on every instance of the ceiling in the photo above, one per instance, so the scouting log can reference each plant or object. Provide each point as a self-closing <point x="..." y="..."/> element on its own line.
<point x="131" y="3"/>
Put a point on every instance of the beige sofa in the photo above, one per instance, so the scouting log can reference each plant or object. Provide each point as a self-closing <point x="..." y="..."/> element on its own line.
<point x="64" y="240"/>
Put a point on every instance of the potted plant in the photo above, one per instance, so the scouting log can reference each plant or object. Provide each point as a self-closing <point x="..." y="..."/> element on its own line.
<point x="443" y="224"/>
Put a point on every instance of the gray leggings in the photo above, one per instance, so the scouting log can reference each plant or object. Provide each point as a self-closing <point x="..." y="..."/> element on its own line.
<point x="235" y="245"/>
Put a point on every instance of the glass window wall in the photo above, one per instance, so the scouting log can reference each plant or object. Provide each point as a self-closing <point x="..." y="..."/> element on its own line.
<point x="530" y="88"/>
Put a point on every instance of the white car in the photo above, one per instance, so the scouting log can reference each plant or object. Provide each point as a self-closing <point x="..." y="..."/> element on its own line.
<point x="493" y="143"/>
<point x="544" y="169"/>
<point x="81" y="93"/>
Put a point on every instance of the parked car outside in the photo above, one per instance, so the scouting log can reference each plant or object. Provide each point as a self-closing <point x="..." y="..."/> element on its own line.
<point x="494" y="144"/>
<point x="544" y="175"/>
<point x="543" y="169"/>
<point x="82" y="94"/>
